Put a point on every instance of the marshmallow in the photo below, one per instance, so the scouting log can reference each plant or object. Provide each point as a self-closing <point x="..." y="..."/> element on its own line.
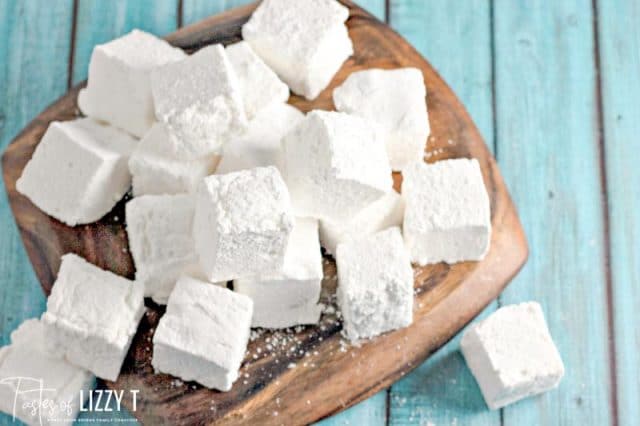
<point x="26" y="368"/>
<point x="259" y="85"/>
<point x="335" y="165"/>
<point x="118" y="90"/>
<point x="381" y="214"/>
<point x="160" y="241"/>
<point x="305" y="43"/>
<point x="511" y="354"/>
<point x="153" y="170"/>
<point x="242" y="223"/>
<point x="78" y="171"/>
<point x="91" y="316"/>
<point x="375" y="284"/>
<point x="290" y="296"/>
<point x="199" y="101"/>
<point x="395" y="101"/>
<point x="260" y="145"/>
<point x="203" y="335"/>
<point x="447" y="214"/>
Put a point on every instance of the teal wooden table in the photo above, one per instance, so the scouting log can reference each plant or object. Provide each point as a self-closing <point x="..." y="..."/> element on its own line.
<point x="553" y="87"/>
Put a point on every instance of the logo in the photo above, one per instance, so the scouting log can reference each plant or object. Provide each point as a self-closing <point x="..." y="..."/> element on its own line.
<point x="33" y="401"/>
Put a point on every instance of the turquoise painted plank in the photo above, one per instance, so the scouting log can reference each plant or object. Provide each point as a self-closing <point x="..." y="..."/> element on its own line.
<point x="619" y="39"/>
<point x="457" y="42"/>
<point x="100" y="21"/>
<point x="372" y="412"/>
<point x="34" y="47"/>
<point x="547" y="144"/>
<point x="441" y="391"/>
<point x="375" y="7"/>
<point x="196" y="10"/>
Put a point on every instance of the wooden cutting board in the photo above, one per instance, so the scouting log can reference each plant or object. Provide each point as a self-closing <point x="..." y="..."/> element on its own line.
<point x="302" y="375"/>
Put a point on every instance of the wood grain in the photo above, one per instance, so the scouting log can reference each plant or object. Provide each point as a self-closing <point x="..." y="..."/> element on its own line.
<point x="619" y="42"/>
<point x="547" y="145"/>
<point x="447" y="297"/>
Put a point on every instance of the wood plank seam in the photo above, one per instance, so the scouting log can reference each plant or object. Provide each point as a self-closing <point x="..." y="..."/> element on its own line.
<point x="494" y="121"/>
<point x="604" y="194"/>
<point x="72" y="44"/>
<point x="179" y="14"/>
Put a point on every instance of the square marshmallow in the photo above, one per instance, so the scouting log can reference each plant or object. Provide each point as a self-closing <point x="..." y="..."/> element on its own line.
<point x="260" y="145"/>
<point x="78" y="171"/>
<point x="92" y="315"/>
<point x="242" y="223"/>
<point x="199" y="101"/>
<point x="119" y="89"/>
<point x="26" y="367"/>
<point x="511" y="354"/>
<point x="335" y="165"/>
<point x="203" y="335"/>
<point x="375" y="284"/>
<point x="447" y="215"/>
<point x="395" y="100"/>
<point x="381" y="214"/>
<point x="305" y="43"/>
<point x="290" y="296"/>
<point x="259" y="85"/>
<point x="154" y="171"/>
<point x="160" y="241"/>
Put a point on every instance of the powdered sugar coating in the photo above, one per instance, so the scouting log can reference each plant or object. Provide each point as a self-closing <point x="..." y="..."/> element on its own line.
<point x="305" y="43"/>
<point x="203" y="334"/>
<point x="335" y="165"/>
<point x="289" y="297"/>
<point x="447" y="212"/>
<point x="383" y="213"/>
<point x="260" y="86"/>
<point x="375" y="284"/>
<point x="260" y="145"/>
<point x="511" y="354"/>
<point x="160" y="241"/>
<point x="91" y="316"/>
<point x="78" y="171"/>
<point x="199" y="101"/>
<point x="395" y="101"/>
<point x="118" y="90"/>
<point x="242" y="223"/>
<point x="154" y="171"/>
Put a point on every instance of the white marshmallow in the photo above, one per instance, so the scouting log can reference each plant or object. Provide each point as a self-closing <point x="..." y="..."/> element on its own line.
<point x="78" y="171"/>
<point x="160" y="241"/>
<point x="511" y="354"/>
<point x="290" y="296"/>
<point x="335" y="165"/>
<point x="447" y="214"/>
<point x="26" y="358"/>
<point x="199" y="101"/>
<point x="395" y="100"/>
<point x="305" y="43"/>
<point x="375" y="284"/>
<point x="383" y="213"/>
<point x="260" y="86"/>
<point x="91" y="316"/>
<point x="260" y="145"/>
<point x="119" y="90"/>
<point x="153" y="170"/>
<point x="242" y="223"/>
<point x="203" y="335"/>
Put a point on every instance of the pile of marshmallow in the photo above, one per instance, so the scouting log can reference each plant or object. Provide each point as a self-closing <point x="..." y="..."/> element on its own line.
<point x="235" y="192"/>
